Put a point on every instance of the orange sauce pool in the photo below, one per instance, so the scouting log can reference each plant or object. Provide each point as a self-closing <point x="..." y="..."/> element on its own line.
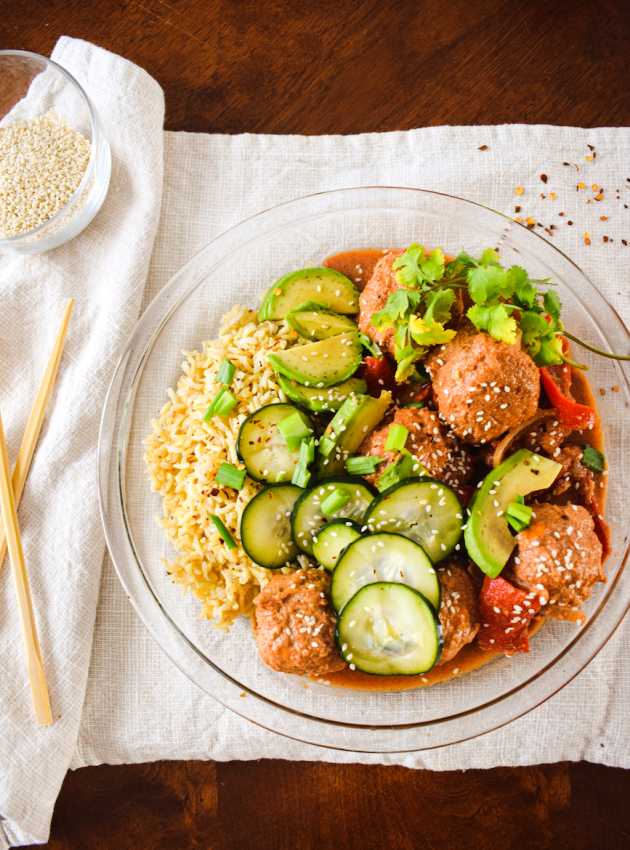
<point x="359" y="265"/>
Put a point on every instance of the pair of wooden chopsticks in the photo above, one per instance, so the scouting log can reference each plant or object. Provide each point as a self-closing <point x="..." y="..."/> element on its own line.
<point x="11" y="489"/>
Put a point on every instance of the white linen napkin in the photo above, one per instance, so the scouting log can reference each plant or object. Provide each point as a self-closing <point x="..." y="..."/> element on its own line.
<point x="105" y="270"/>
<point x="138" y="707"/>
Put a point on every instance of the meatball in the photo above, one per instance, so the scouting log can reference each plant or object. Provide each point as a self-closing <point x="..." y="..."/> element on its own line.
<point x="459" y="616"/>
<point x="546" y="436"/>
<point x="295" y="626"/>
<point x="560" y="557"/>
<point x="429" y="441"/>
<point x="374" y="297"/>
<point x="483" y="387"/>
<point x="575" y="480"/>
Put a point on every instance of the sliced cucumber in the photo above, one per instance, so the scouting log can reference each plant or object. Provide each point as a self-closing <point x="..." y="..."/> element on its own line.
<point x="321" y="400"/>
<point x="333" y="539"/>
<point x="326" y="287"/>
<point x="307" y="519"/>
<point x="263" y="449"/>
<point x="422" y="509"/>
<point x="383" y="557"/>
<point x="350" y="425"/>
<point x="320" y="364"/>
<point x="313" y="321"/>
<point x="266" y="526"/>
<point x="389" y="629"/>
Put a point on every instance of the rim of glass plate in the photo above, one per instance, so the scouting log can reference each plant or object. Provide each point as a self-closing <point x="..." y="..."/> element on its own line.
<point x="98" y="139"/>
<point x="111" y="463"/>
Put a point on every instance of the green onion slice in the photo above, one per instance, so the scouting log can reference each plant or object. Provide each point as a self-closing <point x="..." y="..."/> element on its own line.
<point x="222" y="404"/>
<point x="229" y="476"/>
<point x="225" y="375"/>
<point x="294" y="429"/>
<point x="223" y="532"/>
<point x="403" y="467"/>
<point x="519" y="515"/>
<point x="335" y="501"/>
<point x="363" y="464"/>
<point x="396" y="438"/>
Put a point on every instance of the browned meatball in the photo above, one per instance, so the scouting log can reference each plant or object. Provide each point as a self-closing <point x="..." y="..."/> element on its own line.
<point x="458" y="615"/>
<point x="374" y="297"/>
<point x="575" y="481"/>
<point x="560" y="557"/>
<point x="429" y="441"/>
<point x="483" y="387"/>
<point x="546" y="436"/>
<point x="295" y="626"/>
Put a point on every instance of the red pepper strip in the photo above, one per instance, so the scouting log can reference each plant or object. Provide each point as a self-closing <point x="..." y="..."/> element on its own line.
<point x="379" y="375"/>
<point x="570" y="412"/>
<point x="506" y="612"/>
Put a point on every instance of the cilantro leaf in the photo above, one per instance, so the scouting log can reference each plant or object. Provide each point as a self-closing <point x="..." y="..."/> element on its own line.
<point x="415" y="267"/>
<point x="550" y="353"/>
<point x="438" y="305"/>
<point x="552" y="304"/>
<point x="496" y="320"/>
<point x="489" y="257"/>
<point x="486" y="283"/>
<point x="428" y="332"/>
<point x="398" y="305"/>
<point x="521" y="286"/>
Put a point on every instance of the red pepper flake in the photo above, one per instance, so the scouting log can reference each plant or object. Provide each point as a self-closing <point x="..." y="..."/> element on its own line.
<point x="624" y="242"/>
<point x="530" y="222"/>
<point x="542" y="195"/>
<point x="561" y="213"/>
<point x="603" y="218"/>
<point x="519" y="190"/>
<point x="599" y="196"/>
<point x="605" y="238"/>
<point x="482" y="148"/>
<point x="589" y="157"/>
<point x="517" y="208"/>
<point x="572" y="165"/>
<point x="590" y="147"/>
<point x="544" y="178"/>
<point x="569" y="222"/>
<point x="580" y="185"/>
<point x="587" y="237"/>
<point x="552" y="196"/>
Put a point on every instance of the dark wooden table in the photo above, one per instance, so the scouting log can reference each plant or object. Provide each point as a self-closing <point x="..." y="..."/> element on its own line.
<point x="330" y="66"/>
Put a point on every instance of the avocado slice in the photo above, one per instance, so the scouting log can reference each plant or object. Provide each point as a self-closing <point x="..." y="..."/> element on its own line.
<point x="326" y="287"/>
<point x="355" y="419"/>
<point x="312" y="321"/>
<point x="487" y="536"/>
<point x="321" y="400"/>
<point x="320" y="364"/>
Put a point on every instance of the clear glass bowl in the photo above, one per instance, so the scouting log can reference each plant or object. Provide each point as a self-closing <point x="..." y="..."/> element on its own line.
<point x="31" y="85"/>
<point x="237" y="267"/>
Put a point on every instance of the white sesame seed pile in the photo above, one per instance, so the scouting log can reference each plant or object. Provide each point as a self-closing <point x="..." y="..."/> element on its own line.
<point x="42" y="163"/>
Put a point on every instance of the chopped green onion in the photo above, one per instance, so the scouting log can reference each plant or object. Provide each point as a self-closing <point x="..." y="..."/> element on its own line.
<point x="396" y="438"/>
<point x="403" y="467"/>
<point x="301" y="474"/>
<point x="222" y="404"/>
<point x="370" y="345"/>
<point x="363" y="464"/>
<point x="414" y="404"/>
<point x="223" y="532"/>
<point x="294" y="429"/>
<point x="519" y="515"/>
<point x="593" y="459"/>
<point x="229" y="476"/>
<point x="225" y="375"/>
<point x="326" y="446"/>
<point x="335" y="501"/>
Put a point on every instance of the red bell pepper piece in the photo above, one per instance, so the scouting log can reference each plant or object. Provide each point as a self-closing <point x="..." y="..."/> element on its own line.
<point x="379" y="375"/>
<point x="570" y="412"/>
<point x="506" y="612"/>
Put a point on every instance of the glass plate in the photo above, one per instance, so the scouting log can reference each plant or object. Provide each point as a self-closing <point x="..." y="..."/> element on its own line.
<point x="237" y="267"/>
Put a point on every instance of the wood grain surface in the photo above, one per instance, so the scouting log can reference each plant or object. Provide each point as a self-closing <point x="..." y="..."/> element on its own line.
<point x="336" y="66"/>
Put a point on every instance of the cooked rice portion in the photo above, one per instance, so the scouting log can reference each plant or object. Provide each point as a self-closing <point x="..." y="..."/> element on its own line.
<point x="184" y="453"/>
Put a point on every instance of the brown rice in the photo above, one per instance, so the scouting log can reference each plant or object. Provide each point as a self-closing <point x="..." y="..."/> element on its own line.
<point x="184" y="452"/>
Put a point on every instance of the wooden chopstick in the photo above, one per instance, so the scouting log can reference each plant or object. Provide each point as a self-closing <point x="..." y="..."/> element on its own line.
<point x="37" y="677"/>
<point x="36" y="419"/>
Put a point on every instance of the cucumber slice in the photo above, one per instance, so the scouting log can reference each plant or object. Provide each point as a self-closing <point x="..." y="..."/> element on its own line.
<point x="326" y="287"/>
<point x="266" y="526"/>
<point x="384" y="557"/>
<point x="321" y="400"/>
<point x="333" y="539"/>
<point x="487" y="537"/>
<point x="312" y="321"/>
<point x="320" y="364"/>
<point x="263" y="449"/>
<point x="350" y="425"/>
<point x="422" y="509"/>
<point x="307" y="519"/>
<point x="389" y="629"/>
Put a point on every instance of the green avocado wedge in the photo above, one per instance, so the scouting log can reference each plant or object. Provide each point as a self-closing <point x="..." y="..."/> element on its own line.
<point x="487" y="536"/>
<point x="320" y="364"/>
<point x="321" y="400"/>
<point x="357" y="417"/>
<point x="326" y="287"/>
<point x="314" y="322"/>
